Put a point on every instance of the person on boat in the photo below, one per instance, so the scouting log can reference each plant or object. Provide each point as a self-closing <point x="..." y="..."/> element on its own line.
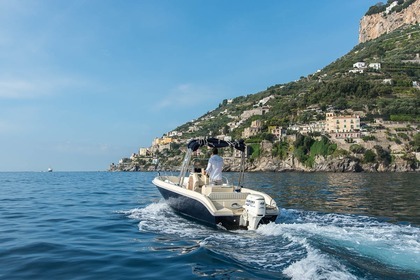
<point x="214" y="168"/>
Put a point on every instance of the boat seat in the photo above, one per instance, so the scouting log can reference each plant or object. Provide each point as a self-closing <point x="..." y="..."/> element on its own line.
<point x="227" y="195"/>
<point x="207" y="189"/>
<point x="196" y="181"/>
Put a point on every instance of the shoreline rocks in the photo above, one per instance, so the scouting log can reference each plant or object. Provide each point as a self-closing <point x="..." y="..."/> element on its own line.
<point x="268" y="164"/>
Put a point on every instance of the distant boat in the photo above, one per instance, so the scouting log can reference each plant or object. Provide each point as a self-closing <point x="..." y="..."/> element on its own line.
<point x="50" y="169"/>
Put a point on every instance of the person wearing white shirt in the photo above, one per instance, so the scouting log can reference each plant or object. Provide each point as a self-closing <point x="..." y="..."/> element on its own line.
<point x="215" y="167"/>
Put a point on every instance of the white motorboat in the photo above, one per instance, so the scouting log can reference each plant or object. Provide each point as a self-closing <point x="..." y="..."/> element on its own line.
<point x="227" y="206"/>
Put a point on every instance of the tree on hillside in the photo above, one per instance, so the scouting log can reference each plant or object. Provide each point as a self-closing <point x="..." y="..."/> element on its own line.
<point x="416" y="142"/>
<point x="376" y="9"/>
<point x="280" y="149"/>
<point x="383" y="155"/>
<point x="369" y="156"/>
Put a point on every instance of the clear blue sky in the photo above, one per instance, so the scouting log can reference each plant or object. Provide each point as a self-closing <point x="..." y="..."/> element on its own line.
<point x="85" y="83"/>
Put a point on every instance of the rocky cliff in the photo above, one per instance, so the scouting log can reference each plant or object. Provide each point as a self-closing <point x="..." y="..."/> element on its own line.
<point x="373" y="26"/>
<point x="349" y="163"/>
<point x="342" y="164"/>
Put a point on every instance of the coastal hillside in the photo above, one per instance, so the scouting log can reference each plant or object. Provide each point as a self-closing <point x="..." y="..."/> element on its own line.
<point x="301" y="125"/>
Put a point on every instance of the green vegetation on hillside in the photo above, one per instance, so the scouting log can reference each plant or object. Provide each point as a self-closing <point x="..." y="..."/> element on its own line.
<point x="387" y="93"/>
<point x="380" y="7"/>
<point x="391" y="92"/>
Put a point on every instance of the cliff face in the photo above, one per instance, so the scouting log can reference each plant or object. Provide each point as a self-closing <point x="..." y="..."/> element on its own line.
<point x="342" y="164"/>
<point x="352" y="163"/>
<point x="270" y="164"/>
<point x="373" y="26"/>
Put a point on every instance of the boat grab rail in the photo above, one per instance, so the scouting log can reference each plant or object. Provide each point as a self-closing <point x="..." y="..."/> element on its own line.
<point x="225" y="179"/>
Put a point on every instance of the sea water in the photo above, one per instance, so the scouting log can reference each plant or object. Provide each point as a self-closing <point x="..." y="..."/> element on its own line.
<point x="100" y="225"/>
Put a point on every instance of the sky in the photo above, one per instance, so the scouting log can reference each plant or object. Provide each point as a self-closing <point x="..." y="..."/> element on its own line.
<point x="84" y="83"/>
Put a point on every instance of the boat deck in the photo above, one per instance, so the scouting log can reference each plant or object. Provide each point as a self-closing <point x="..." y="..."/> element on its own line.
<point x="230" y="200"/>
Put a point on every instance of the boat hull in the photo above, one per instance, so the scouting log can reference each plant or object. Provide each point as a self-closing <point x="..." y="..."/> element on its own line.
<point x="193" y="208"/>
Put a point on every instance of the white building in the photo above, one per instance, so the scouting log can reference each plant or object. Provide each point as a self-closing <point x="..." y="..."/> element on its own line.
<point x="359" y="65"/>
<point x="356" y="71"/>
<point x="143" y="152"/>
<point x="389" y="8"/>
<point x="375" y="65"/>
<point x="174" y="133"/>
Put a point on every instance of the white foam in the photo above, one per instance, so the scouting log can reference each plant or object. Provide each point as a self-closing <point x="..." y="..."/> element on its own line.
<point x="317" y="266"/>
<point x="393" y="245"/>
<point x="249" y="249"/>
<point x="159" y="217"/>
<point x="314" y="265"/>
<point x="151" y="211"/>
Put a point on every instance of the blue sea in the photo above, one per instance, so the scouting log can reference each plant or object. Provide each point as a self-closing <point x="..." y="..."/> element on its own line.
<point x="101" y="225"/>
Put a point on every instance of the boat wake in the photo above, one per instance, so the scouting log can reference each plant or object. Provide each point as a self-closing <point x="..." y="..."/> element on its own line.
<point x="300" y="245"/>
<point x="159" y="217"/>
<point x="341" y="244"/>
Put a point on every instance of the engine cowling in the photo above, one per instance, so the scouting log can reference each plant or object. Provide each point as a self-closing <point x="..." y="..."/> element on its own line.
<point x="254" y="210"/>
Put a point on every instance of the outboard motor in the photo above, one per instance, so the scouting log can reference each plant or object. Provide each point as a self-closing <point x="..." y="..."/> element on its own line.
<point x="254" y="211"/>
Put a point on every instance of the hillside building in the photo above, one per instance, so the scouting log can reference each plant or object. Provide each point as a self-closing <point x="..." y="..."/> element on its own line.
<point x="143" y="152"/>
<point x="343" y="127"/>
<point x="175" y="133"/>
<point x="389" y="8"/>
<point x="375" y="65"/>
<point x="277" y="131"/>
<point x="311" y="127"/>
<point x="258" y="111"/>
<point x="359" y="65"/>
<point x="162" y="141"/>
<point x="253" y="130"/>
